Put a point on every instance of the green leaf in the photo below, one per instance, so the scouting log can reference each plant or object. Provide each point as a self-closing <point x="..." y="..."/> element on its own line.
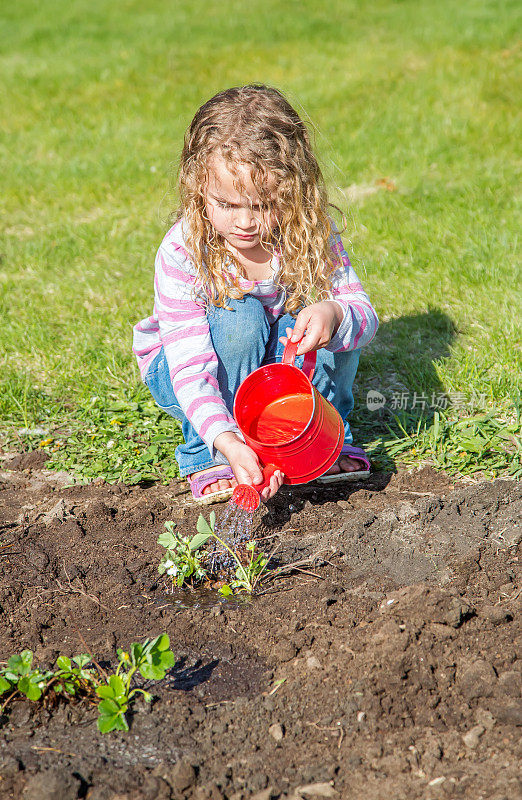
<point x="226" y="591"/>
<point x="137" y="652"/>
<point x="160" y="643"/>
<point x="15" y="665"/>
<point x="202" y="525"/>
<point x="117" y="685"/>
<point x="152" y="672"/>
<point x="148" y="646"/>
<point x="31" y="690"/>
<point x="112" y="722"/>
<point x="110" y="706"/>
<point x="199" y="540"/>
<point x="4" y="685"/>
<point x="167" y="659"/>
<point x="105" y="691"/>
<point x="121" y="723"/>
<point x="82" y="660"/>
<point x="27" y="659"/>
<point x="64" y="663"/>
<point x="167" y="539"/>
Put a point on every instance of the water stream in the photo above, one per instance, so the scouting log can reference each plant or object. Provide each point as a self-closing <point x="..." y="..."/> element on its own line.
<point x="235" y="529"/>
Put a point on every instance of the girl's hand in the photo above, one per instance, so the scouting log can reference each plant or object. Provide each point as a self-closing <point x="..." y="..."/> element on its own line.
<point x="245" y="463"/>
<point x="315" y="326"/>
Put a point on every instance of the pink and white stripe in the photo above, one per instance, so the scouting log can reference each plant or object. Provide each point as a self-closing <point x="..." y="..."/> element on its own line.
<point x="179" y="324"/>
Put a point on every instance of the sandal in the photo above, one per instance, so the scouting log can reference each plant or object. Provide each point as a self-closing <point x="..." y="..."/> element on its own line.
<point x="201" y="480"/>
<point x="358" y="454"/>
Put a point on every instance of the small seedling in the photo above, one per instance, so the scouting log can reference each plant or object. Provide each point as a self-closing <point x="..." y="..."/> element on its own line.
<point x="151" y="659"/>
<point x="72" y="678"/>
<point x="247" y="576"/>
<point x="19" y="677"/>
<point x="181" y="560"/>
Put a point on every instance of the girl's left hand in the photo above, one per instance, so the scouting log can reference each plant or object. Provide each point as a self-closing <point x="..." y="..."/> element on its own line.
<point x="315" y="325"/>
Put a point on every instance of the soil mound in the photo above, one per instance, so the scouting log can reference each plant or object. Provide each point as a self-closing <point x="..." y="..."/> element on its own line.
<point x="392" y="667"/>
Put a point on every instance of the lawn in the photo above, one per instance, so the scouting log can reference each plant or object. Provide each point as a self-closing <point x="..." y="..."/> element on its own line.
<point x="414" y="107"/>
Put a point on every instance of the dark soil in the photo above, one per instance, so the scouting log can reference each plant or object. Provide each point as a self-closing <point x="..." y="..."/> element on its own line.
<point x="389" y="667"/>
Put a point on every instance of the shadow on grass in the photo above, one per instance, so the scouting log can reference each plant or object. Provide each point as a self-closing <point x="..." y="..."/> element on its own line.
<point x="398" y="381"/>
<point x="399" y="366"/>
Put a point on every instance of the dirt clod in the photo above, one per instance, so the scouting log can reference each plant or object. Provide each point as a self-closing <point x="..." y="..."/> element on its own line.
<point x="276" y="731"/>
<point x="508" y="713"/>
<point x="476" y="679"/>
<point x="510" y="683"/>
<point x="313" y="790"/>
<point x="51" y="784"/>
<point x="472" y="737"/>
<point x="180" y="777"/>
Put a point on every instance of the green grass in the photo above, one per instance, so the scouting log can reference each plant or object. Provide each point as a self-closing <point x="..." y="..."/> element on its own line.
<point x="95" y="101"/>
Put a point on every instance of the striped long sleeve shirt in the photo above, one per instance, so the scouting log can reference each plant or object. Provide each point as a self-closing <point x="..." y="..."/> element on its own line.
<point x="179" y="323"/>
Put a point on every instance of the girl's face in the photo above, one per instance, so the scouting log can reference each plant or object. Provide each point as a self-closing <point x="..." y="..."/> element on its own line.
<point x="235" y="211"/>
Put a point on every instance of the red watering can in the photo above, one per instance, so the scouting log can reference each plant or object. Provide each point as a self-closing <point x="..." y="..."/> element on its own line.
<point x="288" y="423"/>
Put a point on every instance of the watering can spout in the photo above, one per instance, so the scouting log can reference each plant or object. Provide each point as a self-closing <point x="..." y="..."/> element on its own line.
<point x="247" y="496"/>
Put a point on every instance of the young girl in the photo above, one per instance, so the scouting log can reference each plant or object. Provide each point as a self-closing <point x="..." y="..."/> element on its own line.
<point x="253" y="259"/>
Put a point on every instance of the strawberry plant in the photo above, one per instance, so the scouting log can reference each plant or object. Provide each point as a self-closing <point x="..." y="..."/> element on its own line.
<point x="151" y="659"/>
<point x="186" y="558"/>
<point x="19" y="677"/>
<point x="246" y="575"/>
<point x="73" y="678"/>
<point x="181" y="560"/>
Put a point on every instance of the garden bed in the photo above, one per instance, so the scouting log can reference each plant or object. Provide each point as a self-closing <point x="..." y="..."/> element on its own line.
<point x="390" y="666"/>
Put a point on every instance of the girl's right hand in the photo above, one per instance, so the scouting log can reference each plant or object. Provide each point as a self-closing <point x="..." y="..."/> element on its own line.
<point x="245" y="463"/>
<point x="314" y="326"/>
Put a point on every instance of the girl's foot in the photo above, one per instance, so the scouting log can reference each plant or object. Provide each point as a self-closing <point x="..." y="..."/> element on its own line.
<point x="352" y="465"/>
<point x="212" y="485"/>
<point x="344" y="464"/>
<point x="219" y="485"/>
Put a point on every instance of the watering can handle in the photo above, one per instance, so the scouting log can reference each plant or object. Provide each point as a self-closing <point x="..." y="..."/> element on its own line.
<point x="310" y="358"/>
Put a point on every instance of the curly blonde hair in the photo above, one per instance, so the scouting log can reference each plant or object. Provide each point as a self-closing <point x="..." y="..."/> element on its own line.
<point x="257" y="127"/>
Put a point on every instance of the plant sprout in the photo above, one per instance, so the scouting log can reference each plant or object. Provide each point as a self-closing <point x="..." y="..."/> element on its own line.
<point x="72" y="678"/>
<point x="181" y="560"/>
